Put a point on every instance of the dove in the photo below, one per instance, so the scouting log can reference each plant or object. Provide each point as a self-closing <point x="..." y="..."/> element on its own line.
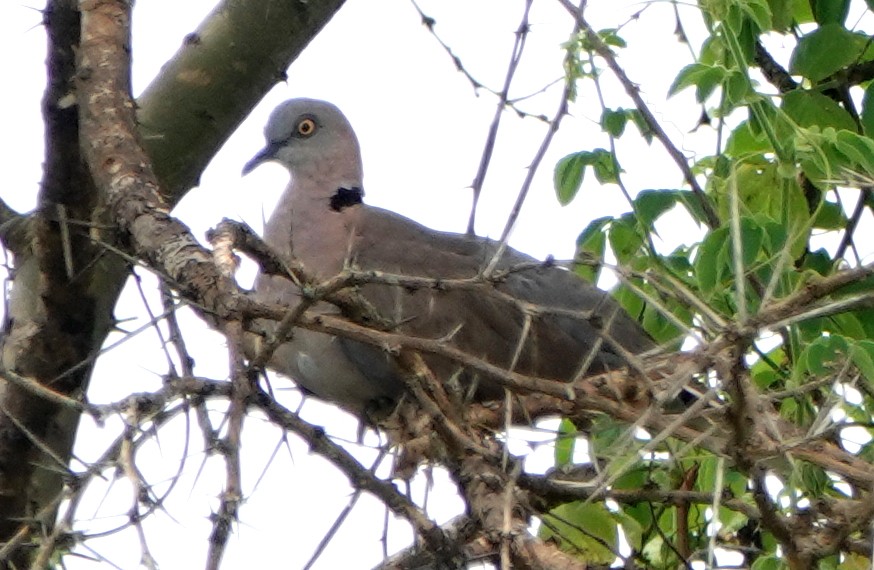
<point x="536" y="319"/>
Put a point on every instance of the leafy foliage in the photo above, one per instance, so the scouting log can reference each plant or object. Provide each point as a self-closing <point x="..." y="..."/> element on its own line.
<point x="746" y="442"/>
<point x="790" y="156"/>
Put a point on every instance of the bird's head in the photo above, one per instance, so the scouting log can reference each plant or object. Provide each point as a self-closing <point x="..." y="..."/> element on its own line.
<point x="311" y="137"/>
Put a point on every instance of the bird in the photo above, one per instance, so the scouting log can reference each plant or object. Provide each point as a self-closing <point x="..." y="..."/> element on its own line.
<point x="323" y="222"/>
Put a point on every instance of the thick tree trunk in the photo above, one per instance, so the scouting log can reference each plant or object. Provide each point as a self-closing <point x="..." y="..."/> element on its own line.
<point x="66" y="281"/>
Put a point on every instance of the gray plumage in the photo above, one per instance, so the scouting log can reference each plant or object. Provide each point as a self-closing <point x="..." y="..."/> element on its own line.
<point x="321" y="221"/>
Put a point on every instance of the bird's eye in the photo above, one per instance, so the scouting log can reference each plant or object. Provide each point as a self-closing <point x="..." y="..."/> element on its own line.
<point x="306" y="127"/>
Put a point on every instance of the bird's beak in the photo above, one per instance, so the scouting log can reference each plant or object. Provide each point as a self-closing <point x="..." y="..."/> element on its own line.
<point x="264" y="155"/>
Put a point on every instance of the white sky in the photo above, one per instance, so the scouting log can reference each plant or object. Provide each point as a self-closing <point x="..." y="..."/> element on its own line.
<point x="422" y="130"/>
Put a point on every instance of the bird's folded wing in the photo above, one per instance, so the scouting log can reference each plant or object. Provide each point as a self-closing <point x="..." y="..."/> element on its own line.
<point x="488" y="321"/>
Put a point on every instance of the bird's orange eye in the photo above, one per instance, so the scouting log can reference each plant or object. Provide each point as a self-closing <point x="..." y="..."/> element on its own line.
<point x="306" y="127"/>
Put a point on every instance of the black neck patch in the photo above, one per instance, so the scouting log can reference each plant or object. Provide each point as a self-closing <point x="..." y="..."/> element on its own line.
<point x="346" y="197"/>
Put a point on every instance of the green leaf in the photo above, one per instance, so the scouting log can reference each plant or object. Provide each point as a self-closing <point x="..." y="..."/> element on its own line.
<point x="858" y="148"/>
<point x="613" y="122"/>
<point x="640" y="122"/>
<point x="781" y="19"/>
<point x="605" y="166"/>
<point x="763" y="372"/>
<point x="731" y="521"/>
<point x="747" y="36"/>
<point x="605" y="434"/>
<point x="611" y="37"/>
<point x="662" y="330"/>
<point x="818" y="261"/>
<point x="788" y="408"/>
<point x="751" y="238"/>
<point x="847" y="325"/>
<point x="655" y="553"/>
<point x="704" y="77"/>
<point x="570" y="170"/>
<point x="759" y="13"/>
<point x="712" y="51"/>
<point x="830" y="11"/>
<point x="866" y="316"/>
<point x="583" y="528"/>
<point x="565" y="442"/>
<point x="765" y="378"/>
<point x="868" y="109"/>
<point x="773" y="205"/>
<point x="766" y="120"/>
<point x="737" y="88"/>
<point x="641" y="513"/>
<point x="591" y="245"/>
<point x="771" y="562"/>
<point x="809" y="108"/>
<point x="830" y="216"/>
<point x="694" y="204"/>
<point x="635" y="477"/>
<point x="650" y="204"/>
<point x="710" y="263"/>
<point x="769" y="543"/>
<point x="678" y="261"/>
<point x="734" y="19"/>
<point x="862" y="355"/>
<point x="569" y="176"/>
<point x="625" y="239"/>
<point x="631" y="528"/>
<point x="825" y="50"/>
<point x="853" y="561"/>
<point x="629" y="300"/>
<point x="802" y="12"/>
<point x="820" y="356"/>
<point x="820" y="159"/>
<point x="813" y="478"/>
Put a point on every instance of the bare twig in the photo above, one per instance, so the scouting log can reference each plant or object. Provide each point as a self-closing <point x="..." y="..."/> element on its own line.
<point x="632" y="90"/>
<point x="526" y="184"/>
<point x="491" y="137"/>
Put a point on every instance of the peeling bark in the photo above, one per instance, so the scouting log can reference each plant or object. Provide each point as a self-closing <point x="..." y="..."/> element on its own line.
<point x="51" y="322"/>
<point x="65" y="282"/>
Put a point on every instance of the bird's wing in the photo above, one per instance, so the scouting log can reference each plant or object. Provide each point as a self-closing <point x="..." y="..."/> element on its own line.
<point x="488" y="322"/>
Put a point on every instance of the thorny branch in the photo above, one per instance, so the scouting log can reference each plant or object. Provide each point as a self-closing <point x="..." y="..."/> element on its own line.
<point x="633" y="92"/>
<point x="529" y="178"/>
<point x="491" y="137"/>
<point x="585" y="399"/>
<point x="501" y="498"/>
<point x="430" y="23"/>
